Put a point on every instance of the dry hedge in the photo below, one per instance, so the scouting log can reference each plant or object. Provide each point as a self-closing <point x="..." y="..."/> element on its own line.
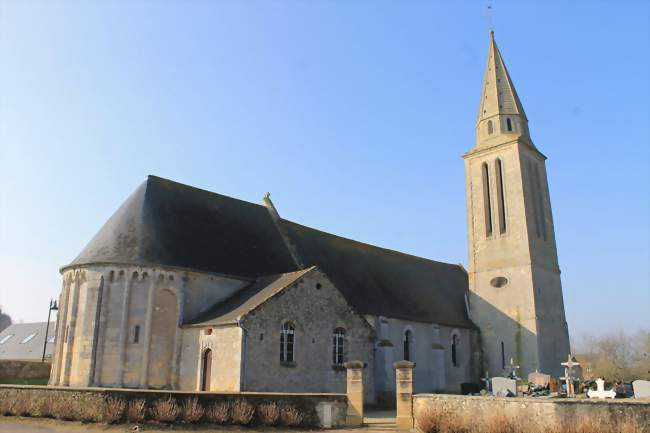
<point x="218" y="413"/>
<point x="136" y="410"/>
<point x="440" y="420"/>
<point x="268" y="413"/>
<point x="191" y="410"/>
<point x="242" y="412"/>
<point x="113" y="410"/>
<point x="165" y="410"/>
<point x="291" y="416"/>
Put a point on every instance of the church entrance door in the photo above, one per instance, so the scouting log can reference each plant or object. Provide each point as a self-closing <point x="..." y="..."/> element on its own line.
<point x="207" y="370"/>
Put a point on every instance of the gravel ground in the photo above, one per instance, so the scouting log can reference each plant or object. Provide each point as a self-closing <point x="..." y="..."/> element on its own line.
<point x="33" y="425"/>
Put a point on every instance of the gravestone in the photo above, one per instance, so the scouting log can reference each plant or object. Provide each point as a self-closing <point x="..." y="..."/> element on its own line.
<point x="513" y="370"/>
<point x="486" y="379"/>
<point x="504" y="387"/>
<point x="600" y="392"/>
<point x="570" y="364"/>
<point x="554" y="385"/>
<point x="641" y="388"/>
<point x="539" y="379"/>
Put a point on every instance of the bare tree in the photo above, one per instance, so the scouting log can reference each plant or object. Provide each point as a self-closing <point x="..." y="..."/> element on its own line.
<point x="5" y="320"/>
<point x="617" y="356"/>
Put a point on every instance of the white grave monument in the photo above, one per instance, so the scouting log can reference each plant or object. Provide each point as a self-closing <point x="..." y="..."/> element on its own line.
<point x="600" y="392"/>
<point x="641" y="388"/>
<point x="504" y="387"/>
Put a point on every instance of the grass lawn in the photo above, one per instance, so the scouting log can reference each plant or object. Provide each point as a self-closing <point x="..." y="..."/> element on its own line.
<point x="12" y="381"/>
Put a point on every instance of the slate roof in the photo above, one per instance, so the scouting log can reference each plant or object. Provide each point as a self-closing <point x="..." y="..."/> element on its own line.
<point x="247" y="299"/>
<point x="171" y="224"/>
<point x="13" y="348"/>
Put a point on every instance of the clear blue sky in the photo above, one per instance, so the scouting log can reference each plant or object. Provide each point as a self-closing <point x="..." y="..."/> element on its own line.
<point x="353" y="114"/>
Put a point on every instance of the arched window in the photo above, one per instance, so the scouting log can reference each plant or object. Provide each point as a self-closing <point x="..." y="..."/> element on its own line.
<point x="487" y="200"/>
<point x="501" y="201"/>
<point x="454" y="350"/>
<point x="508" y="124"/>
<point x="408" y="345"/>
<point x="286" y="342"/>
<point x="490" y="127"/>
<point x="338" y="340"/>
<point x="207" y="370"/>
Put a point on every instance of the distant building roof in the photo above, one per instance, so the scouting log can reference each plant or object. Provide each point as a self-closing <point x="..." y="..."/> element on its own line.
<point x="24" y="341"/>
<point x="170" y="224"/>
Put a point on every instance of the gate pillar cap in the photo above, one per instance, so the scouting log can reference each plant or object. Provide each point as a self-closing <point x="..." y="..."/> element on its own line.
<point x="404" y="364"/>
<point x="354" y="364"/>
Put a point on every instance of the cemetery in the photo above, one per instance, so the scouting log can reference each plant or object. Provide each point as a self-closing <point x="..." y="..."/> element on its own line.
<point x="542" y="404"/>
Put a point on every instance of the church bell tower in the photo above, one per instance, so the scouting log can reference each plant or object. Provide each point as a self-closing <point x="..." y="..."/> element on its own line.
<point x="514" y="277"/>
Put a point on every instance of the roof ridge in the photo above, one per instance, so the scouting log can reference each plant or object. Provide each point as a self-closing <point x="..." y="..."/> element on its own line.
<point x="184" y="185"/>
<point x="388" y="250"/>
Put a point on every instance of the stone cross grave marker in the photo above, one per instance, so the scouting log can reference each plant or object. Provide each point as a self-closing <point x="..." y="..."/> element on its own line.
<point x="641" y="388"/>
<point x="539" y="379"/>
<point x="486" y="379"/>
<point x="504" y="387"/>
<point x="513" y="370"/>
<point x="600" y="392"/>
<point x="568" y="375"/>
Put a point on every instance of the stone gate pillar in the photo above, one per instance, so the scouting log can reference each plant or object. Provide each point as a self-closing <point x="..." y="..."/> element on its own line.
<point x="355" y="393"/>
<point x="404" y="392"/>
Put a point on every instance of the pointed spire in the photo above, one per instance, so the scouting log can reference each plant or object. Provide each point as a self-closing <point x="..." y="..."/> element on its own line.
<point x="501" y="116"/>
<point x="499" y="95"/>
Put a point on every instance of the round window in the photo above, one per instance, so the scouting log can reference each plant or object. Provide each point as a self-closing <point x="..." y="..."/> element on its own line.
<point x="499" y="282"/>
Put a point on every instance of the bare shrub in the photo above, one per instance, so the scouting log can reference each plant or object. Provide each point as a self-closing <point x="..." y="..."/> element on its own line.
<point x="291" y="416"/>
<point x="242" y="412"/>
<point x="498" y="422"/>
<point x="86" y="412"/>
<point x="5" y="403"/>
<point x="165" y="410"/>
<point x="113" y="410"/>
<point x="218" y="413"/>
<point x="135" y="411"/>
<point x="191" y="410"/>
<point x="443" y="420"/>
<point x="268" y="413"/>
<point x="18" y="405"/>
<point x="45" y="407"/>
<point x="61" y="409"/>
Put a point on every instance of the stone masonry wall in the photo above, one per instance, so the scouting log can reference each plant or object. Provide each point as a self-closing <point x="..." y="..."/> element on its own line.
<point x="316" y="308"/>
<point x="119" y="324"/>
<point x="321" y="410"/>
<point x="549" y="410"/>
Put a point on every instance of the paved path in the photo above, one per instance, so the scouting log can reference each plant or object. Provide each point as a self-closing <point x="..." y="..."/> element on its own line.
<point x="377" y="423"/>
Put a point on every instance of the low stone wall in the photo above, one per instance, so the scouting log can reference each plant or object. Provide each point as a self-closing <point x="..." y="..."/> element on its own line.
<point x="548" y="410"/>
<point x="24" y="369"/>
<point x="320" y="410"/>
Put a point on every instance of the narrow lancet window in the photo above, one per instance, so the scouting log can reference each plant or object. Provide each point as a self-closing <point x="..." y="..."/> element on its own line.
<point x="487" y="201"/>
<point x="508" y="124"/>
<point x="490" y="127"/>
<point x="338" y="340"/>
<point x="501" y="200"/>
<point x="540" y="202"/>
<point x="136" y="334"/>
<point x="454" y="350"/>
<point x="286" y="342"/>
<point x="533" y="195"/>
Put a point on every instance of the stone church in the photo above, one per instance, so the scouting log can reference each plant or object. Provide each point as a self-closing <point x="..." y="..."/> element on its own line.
<point x="188" y="289"/>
